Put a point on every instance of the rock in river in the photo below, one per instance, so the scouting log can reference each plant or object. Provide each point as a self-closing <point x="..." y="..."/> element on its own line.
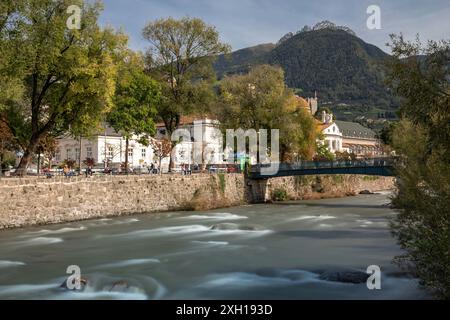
<point x="345" y="276"/>
<point x="120" y="286"/>
<point x="234" y="226"/>
<point x="83" y="284"/>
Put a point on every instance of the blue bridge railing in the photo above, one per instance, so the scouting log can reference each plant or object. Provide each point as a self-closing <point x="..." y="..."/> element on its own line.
<point x="373" y="166"/>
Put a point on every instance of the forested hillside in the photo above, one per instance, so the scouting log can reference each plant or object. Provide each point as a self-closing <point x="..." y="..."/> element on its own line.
<point x="342" y="68"/>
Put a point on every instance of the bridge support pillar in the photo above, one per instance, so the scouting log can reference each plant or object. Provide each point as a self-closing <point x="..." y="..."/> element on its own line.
<point x="257" y="190"/>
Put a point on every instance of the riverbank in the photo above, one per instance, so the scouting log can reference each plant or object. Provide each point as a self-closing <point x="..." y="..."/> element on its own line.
<point x="33" y="201"/>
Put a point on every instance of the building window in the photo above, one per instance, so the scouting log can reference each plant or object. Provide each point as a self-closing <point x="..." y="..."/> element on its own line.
<point x="89" y="152"/>
<point x="77" y="153"/>
<point x="143" y="153"/>
<point x="68" y="153"/>
<point x="58" y="155"/>
<point x="130" y="153"/>
<point x="110" y="153"/>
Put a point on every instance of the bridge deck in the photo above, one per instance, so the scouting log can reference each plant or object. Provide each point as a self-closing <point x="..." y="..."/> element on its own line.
<point x="377" y="167"/>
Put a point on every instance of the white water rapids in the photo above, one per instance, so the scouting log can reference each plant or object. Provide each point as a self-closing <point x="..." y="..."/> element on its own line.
<point x="274" y="251"/>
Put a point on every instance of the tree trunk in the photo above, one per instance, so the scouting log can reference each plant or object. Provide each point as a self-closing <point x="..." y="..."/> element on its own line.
<point x="203" y="168"/>
<point x="79" y="158"/>
<point x="39" y="164"/>
<point x="127" y="142"/>
<point x="171" y="163"/>
<point x="24" y="162"/>
<point x="1" y="162"/>
<point x="28" y="156"/>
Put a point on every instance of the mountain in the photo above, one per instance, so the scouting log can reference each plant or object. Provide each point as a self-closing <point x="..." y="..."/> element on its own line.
<point x="241" y="61"/>
<point x="342" y="68"/>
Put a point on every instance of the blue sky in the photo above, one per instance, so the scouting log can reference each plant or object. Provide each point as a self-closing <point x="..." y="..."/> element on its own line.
<point x="244" y="23"/>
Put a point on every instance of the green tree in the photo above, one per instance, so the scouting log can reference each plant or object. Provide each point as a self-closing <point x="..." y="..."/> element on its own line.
<point x="135" y="102"/>
<point x="323" y="153"/>
<point x="10" y="65"/>
<point x="318" y="114"/>
<point x="7" y="146"/>
<point x="161" y="149"/>
<point x="261" y="100"/>
<point x="422" y="140"/>
<point x="67" y="74"/>
<point x="46" y="147"/>
<point x="299" y="135"/>
<point x="180" y="56"/>
<point x="386" y="133"/>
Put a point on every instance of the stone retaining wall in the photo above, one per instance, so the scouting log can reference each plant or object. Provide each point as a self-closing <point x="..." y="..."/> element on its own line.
<point x="31" y="201"/>
<point x="34" y="201"/>
<point x="333" y="186"/>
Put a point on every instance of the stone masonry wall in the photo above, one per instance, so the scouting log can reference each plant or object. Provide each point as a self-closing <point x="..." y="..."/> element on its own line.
<point x="35" y="201"/>
<point x="333" y="186"/>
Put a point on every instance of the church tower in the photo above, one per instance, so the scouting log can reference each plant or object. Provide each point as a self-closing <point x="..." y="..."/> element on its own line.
<point x="313" y="104"/>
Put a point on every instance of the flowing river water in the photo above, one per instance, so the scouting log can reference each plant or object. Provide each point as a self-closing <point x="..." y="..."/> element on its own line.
<point x="273" y="251"/>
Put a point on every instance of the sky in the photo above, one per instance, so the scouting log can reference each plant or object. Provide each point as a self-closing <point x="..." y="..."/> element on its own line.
<point x="245" y="23"/>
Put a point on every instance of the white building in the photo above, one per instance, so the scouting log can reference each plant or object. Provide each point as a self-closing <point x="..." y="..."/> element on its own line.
<point x="200" y="139"/>
<point x="106" y="149"/>
<point x="331" y="133"/>
<point x="351" y="137"/>
<point x="359" y="140"/>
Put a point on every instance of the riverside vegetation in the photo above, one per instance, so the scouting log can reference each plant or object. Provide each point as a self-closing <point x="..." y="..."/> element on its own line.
<point x="422" y="139"/>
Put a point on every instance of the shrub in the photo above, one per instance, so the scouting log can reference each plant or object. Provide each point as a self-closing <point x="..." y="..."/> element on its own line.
<point x="370" y="178"/>
<point x="302" y="181"/>
<point x="337" y="178"/>
<point x="279" y="194"/>
<point x="317" y="185"/>
<point x="222" y="182"/>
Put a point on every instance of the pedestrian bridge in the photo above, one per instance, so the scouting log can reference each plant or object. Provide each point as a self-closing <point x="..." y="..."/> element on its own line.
<point x="373" y="167"/>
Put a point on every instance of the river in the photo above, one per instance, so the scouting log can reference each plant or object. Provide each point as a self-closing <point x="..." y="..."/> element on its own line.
<point x="273" y="251"/>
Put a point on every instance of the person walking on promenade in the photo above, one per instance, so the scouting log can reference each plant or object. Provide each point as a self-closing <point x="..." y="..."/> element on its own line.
<point x="89" y="171"/>
<point x="151" y="168"/>
<point x="66" y="171"/>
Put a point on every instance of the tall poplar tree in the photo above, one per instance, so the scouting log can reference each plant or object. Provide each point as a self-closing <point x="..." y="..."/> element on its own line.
<point x="180" y="56"/>
<point x="135" y="102"/>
